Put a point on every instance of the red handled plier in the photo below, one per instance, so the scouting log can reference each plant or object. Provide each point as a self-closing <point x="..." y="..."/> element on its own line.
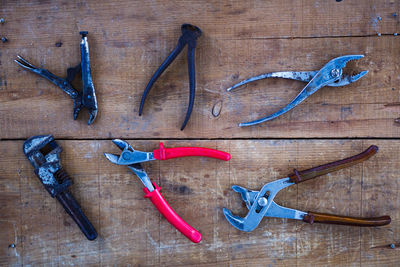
<point x="133" y="158"/>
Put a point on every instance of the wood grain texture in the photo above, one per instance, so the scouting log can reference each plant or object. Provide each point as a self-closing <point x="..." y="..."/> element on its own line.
<point x="131" y="231"/>
<point x="129" y="40"/>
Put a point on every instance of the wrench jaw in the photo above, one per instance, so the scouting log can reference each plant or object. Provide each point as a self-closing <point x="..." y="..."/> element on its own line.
<point x="44" y="154"/>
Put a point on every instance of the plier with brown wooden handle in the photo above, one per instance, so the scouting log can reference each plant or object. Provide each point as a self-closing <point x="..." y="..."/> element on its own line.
<point x="329" y="75"/>
<point x="261" y="203"/>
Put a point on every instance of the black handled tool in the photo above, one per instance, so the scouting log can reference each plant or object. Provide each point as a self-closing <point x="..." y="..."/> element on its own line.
<point x="88" y="97"/>
<point x="44" y="154"/>
<point x="189" y="36"/>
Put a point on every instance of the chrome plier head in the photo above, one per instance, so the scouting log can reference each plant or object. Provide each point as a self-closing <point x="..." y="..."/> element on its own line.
<point x="137" y="168"/>
<point x="335" y="69"/>
<point x="124" y="146"/>
<point x="119" y="159"/>
<point x="129" y="155"/>
<point x="329" y="75"/>
<point x="259" y="203"/>
<point x="88" y="96"/>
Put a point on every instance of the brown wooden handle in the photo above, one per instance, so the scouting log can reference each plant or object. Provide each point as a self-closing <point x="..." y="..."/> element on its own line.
<point x="301" y="176"/>
<point x="314" y="217"/>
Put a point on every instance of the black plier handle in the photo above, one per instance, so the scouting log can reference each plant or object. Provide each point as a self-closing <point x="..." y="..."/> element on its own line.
<point x="189" y="36"/>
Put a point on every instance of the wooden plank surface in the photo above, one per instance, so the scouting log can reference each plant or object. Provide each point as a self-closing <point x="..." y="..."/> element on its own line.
<point x="128" y="41"/>
<point x="131" y="231"/>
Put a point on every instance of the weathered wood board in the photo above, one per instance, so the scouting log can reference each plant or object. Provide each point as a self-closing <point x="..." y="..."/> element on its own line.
<point x="128" y="41"/>
<point x="131" y="231"/>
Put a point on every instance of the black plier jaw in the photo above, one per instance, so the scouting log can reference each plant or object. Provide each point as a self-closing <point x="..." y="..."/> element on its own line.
<point x="189" y="36"/>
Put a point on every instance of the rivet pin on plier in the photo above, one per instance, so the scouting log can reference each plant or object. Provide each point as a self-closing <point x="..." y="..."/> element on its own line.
<point x="133" y="158"/>
<point x="329" y="75"/>
<point x="261" y="203"/>
<point x="189" y="36"/>
<point x="88" y="97"/>
<point x="44" y="154"/>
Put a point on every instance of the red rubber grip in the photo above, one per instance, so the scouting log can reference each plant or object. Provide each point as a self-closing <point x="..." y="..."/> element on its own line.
<point x="178" y="152"/>
<point x="161" y="204"/>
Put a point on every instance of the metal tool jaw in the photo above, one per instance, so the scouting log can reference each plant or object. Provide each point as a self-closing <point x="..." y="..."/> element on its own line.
<point x="128" y="155"/>
<point x="88" y="97"/>
<point x="47" y="163"/>
<point x="137" y="168"/>
<point x="329" y="75"/>
<point x="260" y="203"/>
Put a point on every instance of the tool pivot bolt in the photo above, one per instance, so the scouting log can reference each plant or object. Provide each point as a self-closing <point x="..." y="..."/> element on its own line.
<point x="2" y="20"/>
<point x="4" y="39"/>
<point x="335" y="73"/>
<point x="262" y="201"/>
<point x="392" y="246"/>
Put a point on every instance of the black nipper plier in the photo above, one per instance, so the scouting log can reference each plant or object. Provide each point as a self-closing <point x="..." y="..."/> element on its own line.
<point x="189" y="36"/>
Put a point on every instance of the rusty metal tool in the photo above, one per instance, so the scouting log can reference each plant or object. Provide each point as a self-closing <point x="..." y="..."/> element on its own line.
<point x="329" y="75"/>
<point x="44" y="154"/>
<point x="261" y="203"/>
<point x="88" y="97"/>
<point x="152" y="191"/>
<point x="189" y="36"/>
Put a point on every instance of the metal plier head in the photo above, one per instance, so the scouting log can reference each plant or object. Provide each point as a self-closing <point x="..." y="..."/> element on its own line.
<point x="189" y="36"/>
<point x="88" y="97"/>
<point x="329" y="75"/>
<point x="137" y="168"/>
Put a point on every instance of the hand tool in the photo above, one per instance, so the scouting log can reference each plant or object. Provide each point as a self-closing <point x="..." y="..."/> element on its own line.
<point x="329" y="75"/>
<point x="190" y="33"/>
<point x="261" y="203"/>
<point x="151" y="190"/>
<point x="44" y="154"/>
<point x="88" y="97"/>
<point x="131" y="156"/>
